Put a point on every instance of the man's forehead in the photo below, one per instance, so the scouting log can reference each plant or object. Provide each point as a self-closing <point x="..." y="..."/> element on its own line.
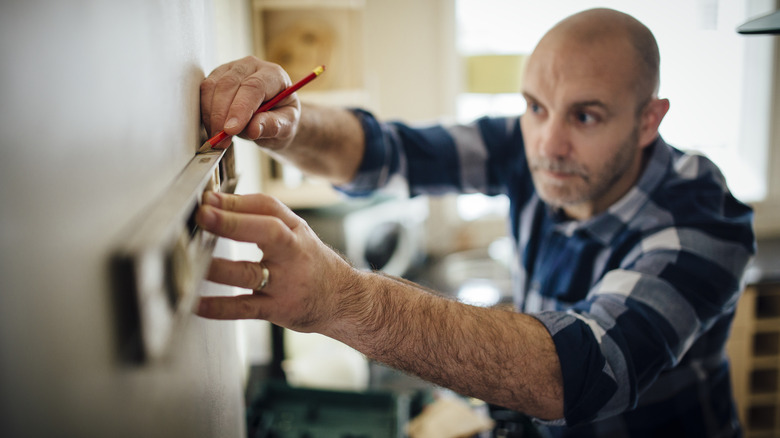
<point x="579" y="73"/>
<point x="574" y="56"/>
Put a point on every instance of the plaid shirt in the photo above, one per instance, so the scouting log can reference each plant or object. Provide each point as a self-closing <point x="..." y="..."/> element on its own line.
<point x="639" y="299"/>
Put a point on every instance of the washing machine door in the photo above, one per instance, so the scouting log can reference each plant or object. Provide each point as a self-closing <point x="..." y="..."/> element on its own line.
<point x="382" y="244"/>
<point x="386" y="236"/>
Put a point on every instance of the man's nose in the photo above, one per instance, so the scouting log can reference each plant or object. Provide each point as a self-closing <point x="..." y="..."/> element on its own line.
<point x="555" y="141"/>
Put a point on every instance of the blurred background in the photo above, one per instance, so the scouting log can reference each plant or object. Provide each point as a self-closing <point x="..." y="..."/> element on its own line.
<point x="100" y="115"/>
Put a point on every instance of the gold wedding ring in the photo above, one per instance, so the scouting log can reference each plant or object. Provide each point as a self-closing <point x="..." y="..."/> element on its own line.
<point x="266" y="276"/>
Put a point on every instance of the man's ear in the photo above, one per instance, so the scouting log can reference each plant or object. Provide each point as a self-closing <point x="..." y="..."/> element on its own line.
<point x="650" y="119"/>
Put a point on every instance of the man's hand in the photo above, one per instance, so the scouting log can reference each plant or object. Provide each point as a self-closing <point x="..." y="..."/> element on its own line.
<point x="498" y="356"/>
<point x="309" y="284"/>
<point x="231" y="94"/>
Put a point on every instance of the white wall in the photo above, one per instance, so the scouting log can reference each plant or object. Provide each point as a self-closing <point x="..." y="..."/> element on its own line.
<point x="99" y="114"/>
<point x="767" y="219"/>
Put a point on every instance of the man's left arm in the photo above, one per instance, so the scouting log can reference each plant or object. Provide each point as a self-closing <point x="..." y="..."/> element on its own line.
<point x="498" y="356"/>
<point x="644" y="318"/>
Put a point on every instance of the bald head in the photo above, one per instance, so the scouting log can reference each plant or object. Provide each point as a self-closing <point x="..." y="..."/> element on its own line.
<point x="590" y="89"/>
<point x="610" y="30"/>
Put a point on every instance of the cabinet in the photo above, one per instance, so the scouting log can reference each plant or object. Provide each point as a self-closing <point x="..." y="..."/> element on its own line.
<point x="300" y="35"/>
<point x="754" y="351"/>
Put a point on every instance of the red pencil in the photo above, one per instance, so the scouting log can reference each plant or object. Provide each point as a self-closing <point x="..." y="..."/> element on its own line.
<point x="221" y="135"/>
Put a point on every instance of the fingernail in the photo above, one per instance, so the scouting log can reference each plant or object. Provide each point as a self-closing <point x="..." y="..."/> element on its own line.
<point x="211" y="198"/>
<point x="232" y="123"/>
<point x="207" y="217"/>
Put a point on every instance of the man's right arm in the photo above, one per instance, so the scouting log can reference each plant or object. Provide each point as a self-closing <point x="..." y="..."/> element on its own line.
<point x="322" y="141"/>
<point x="329" y="143"/>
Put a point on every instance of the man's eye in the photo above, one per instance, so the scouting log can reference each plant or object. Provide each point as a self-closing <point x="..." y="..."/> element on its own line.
<point x="535" y="108"/>
<point x="586" y="118"/>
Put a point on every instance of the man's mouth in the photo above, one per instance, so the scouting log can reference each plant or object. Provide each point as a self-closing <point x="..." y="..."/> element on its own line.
<point x="559" y="175"/>
<point x="559" y="171"/>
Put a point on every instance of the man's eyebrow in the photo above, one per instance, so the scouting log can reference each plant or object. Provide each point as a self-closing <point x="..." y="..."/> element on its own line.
<point x="528" y="96"/>
<point x="580" y="104"/>
<point x="576" y="105"/>
<point x="587" y="103"/>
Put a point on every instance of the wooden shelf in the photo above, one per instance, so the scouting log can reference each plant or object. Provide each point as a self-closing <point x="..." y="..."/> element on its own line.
<point x="300" y="35"/>
<point x="754" y="351"/>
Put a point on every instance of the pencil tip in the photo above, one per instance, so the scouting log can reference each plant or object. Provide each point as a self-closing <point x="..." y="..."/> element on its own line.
<point x="205" y="147"/>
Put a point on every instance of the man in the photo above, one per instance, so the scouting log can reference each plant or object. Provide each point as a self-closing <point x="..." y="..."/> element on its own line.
<point x="630" y="253"/>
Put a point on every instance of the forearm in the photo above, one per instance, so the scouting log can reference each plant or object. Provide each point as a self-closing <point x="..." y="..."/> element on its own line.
<point x="329" y="143"/>
<point x="501" y="357"/>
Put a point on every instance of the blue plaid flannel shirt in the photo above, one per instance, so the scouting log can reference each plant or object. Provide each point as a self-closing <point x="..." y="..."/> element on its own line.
<point x="639" y="300"/>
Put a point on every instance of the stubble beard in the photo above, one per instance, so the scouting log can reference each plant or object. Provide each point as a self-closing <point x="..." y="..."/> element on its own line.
<point x="584" y="185"/>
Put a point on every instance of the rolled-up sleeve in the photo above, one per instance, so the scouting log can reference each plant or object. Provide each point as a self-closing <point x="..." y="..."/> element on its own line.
<point x="436" y="159"/>
<point x="640" y="320"/>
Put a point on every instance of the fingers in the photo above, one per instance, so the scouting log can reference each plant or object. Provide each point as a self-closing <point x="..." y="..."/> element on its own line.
<point x="233" y="92"/>
<point x="268" y="232"/>
<point x="207" y="88"/>
<point x="240" y="307"/>
<point x="253" y="91"/>
<point x="258" y="204"/>
<point x="246" y="275"/>
<point x="225" y="91"/>
<point x="274" y="124"/>
<point x="293" y="255"/>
